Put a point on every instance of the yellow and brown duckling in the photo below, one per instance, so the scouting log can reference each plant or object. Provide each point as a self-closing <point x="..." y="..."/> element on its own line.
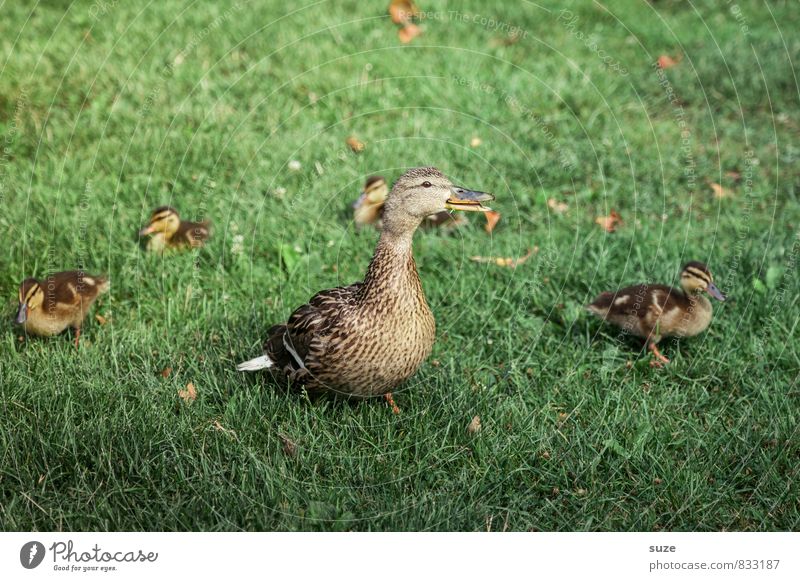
<point x="654" y="311"/>
<point x="167" y="230"/>
<point x="61" y="300"/>
<point x="368" y="208"/>
<point x="365" y="339"/>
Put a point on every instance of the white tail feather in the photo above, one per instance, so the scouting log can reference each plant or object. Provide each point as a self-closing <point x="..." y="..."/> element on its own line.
<point x="262" y="362"/>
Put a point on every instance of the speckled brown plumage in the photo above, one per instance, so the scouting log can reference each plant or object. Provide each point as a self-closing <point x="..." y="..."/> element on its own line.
<point x="57" y="302"/>
<point x="654" y="311"/>
<point x="168" y="231"/>
<point x="366" y="338"/>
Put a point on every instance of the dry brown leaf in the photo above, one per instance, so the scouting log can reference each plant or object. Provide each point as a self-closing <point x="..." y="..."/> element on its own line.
<point x="220" y="428"/>
<point x="609" y="223"/>
<point x="408" y="33"/>
<point x="165" y="372"/>
<point x="556" y="206"/>
<point x="402" y="11"/>
<point x="492" y="218"/>
<point x="475" y="142"/>
<point x="289" y="447"/>
<point x="474" y="426"/>
<point x="719" y="191"/>
<point x="666" y="61"/>
<point x="502" y="261"/>
<point x="354" y="144"/>
<point x="189" y="394"/>
<point x="101" y="319"/>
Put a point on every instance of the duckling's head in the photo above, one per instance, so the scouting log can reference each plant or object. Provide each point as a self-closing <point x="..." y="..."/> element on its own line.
<point x="696" y="278"/>
<point x="164" y="220"/>
<point x="423" y="191"/>
<point x="368" y="207"/>
<point x="31" y="297"/>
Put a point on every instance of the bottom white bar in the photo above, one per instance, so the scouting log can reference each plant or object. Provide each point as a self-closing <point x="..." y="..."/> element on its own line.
<point x="384" y="556"/>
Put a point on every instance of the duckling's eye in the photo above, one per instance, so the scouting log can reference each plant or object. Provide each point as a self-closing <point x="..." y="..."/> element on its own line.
<point x="426" y="184"/>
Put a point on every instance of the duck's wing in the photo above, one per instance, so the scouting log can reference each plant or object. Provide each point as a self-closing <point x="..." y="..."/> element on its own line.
<point x="297" y="346"/>
<point x="642" y="304"/>
<point x="73" y="287"/>
<point x="193" y="234"/>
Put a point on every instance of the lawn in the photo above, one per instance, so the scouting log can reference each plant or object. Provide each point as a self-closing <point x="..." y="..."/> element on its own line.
<point x="109" y="109"/>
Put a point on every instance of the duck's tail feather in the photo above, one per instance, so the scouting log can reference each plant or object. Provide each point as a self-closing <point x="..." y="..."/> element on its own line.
<point x="262" y="362"/>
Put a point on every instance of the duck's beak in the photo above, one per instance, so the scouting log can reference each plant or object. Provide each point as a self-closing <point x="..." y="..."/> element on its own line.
<point x="149" y="229"/>
<point x="467" y="200"/>
<point x="22" y="314"/>
<point x="715" y="292"/>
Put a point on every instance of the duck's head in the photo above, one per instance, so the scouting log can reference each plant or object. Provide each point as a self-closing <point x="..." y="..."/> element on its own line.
<point x="696" y="278"/>
<point x="423" y="191"/>
<point x="164" y="220"/>
<point x="31" y="297"/>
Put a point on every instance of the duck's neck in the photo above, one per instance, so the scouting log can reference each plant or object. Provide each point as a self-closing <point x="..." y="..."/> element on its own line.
<point x="698" y="301"/>
<point x="392" y="270"/>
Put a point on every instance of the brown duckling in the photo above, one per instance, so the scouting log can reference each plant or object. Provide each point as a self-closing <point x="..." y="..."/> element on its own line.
<point x="169" y="231"/>
<point x="654" y="311"/>
<point x="365" y="339"/>
<point x="368" y="208"/>
<point x="61" y="300"/>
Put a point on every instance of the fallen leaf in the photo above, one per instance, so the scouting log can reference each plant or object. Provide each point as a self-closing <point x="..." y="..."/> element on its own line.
<point x="289" y="447"/>
<point x="609" y="223"/>
<point x="734" y="175"/>
<point x="475" y="142"/>
<point x="474" y="426"/>
<point x="354" y="144"/>
<point x="401" y="11"/>
<point x="502" y="261"/>
<point x="165" y="372"/>
<point x="492" y="218"/>
<point x="666" y="61"/>
<point x="220" y="428"/>
<point x="189" y="394"/>
<point x="100" y="319"/>
<point x="719" y="191"/>
<point x="556" y="206"/>
<point x="408" y="33"/>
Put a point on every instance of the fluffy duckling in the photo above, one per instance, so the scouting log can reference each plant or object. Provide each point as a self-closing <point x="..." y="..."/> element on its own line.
<point x="59" y="301"/>
<point x="365" y="339"/>
<point x="368" y="208"/>
<point x="169" y="231"/>
<point x="653" y="311"/>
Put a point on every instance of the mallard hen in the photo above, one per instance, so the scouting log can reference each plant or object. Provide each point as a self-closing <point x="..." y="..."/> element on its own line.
<point x="365" y="339"/>
<point x="654" y="311"/>
<point x="368" y="208"/>
<point x="61" y="300"/>
<point x="167" y="230"/>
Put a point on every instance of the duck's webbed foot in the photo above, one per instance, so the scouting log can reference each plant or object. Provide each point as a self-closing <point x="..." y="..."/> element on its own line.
<point x="390" y="400"/>
<point x="658" y="358"/>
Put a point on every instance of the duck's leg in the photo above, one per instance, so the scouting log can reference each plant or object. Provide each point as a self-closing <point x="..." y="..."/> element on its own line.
<point x="77" y="336"/>
<point x="390" y="400"/>
<point x="659" y="360"/>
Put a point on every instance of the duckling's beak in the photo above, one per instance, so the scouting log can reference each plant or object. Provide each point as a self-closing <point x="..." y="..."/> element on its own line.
<point x="361" y="199"/>
<point x="22" y="313"/>
<point x="467" y="200"/>
<point x="149" y="229"/>
<point x="715" y="292"/>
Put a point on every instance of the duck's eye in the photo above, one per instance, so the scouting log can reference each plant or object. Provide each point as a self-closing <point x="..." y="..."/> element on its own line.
<point x="426" y="184"/>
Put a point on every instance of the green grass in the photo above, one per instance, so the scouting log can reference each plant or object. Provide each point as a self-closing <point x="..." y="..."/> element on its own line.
<point x="101" y="122"/>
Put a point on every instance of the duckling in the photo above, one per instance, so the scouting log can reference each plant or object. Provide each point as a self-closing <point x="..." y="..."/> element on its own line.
<point x="654" y="311"/>
<point x="367" y="338"/>
<point x="368" y="208"/>
<point x="169" y="231"/>
<point x="59" y="301"/>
